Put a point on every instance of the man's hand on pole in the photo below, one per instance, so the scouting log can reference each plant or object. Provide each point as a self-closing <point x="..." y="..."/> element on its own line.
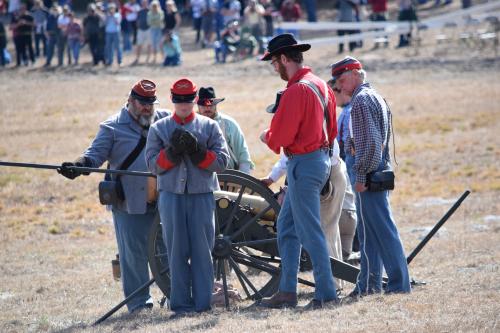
<point x="67" y="171"/>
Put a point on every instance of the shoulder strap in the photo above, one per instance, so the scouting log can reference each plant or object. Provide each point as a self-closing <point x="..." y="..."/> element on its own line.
<point x="133" y="155"/>
<point x="323" y="101"/>
<point x="385" y="116"/>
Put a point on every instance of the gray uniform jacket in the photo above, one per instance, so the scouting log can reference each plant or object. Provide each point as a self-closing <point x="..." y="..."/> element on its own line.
<point x="186" y="177"/>
<point x="116" y="139"/>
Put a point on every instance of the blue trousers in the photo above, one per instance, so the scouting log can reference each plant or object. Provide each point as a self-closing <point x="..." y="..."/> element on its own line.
<point x="74" y="46"/>
<point x="132" y="237"/>
<point x="380" y="244"/>
<point x="51" y="45"/>
<point x="127" y="43"/>
<point x="189" y="235"/>
<point x="62" y="42"/>
<point x="311" y="10"/>
<point x="349" y="164"/>
<point x="112" y="43"/>
<point x="299" y="224"/>
<point x="174" y="60"/>
<point x="40" y="37"/>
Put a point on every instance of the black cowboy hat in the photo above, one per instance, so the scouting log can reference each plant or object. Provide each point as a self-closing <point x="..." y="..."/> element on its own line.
<point x="206" y="97"/>
<point x="283" y="43"/>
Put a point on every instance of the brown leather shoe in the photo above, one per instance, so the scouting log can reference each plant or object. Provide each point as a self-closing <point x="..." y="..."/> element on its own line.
<point x="279" y="300"/>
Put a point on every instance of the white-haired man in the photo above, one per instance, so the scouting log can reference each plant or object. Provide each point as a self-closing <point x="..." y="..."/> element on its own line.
<point x="380" y="243"/>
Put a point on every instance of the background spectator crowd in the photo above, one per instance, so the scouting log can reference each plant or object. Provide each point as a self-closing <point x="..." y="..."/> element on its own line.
<point x="41" y="30"/>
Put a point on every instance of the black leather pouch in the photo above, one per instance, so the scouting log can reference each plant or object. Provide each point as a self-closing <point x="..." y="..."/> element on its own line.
<point x="111" y="192"/>
<point x="380" y="181"/>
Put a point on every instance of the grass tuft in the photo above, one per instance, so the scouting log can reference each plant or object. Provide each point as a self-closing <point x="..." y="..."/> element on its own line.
<point x="54" y="229"/>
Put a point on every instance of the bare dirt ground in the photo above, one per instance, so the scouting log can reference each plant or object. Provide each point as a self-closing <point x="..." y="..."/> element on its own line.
<point x="56" y="240"/>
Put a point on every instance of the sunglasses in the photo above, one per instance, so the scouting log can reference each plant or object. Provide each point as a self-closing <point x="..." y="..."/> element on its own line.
<point x="143" y="103"/>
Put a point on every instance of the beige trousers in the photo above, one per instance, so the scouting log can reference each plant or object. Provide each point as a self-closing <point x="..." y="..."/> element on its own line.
<point x="348" y="219"/>
<point x="330" y="210"/>
<point x="347" y="228"/>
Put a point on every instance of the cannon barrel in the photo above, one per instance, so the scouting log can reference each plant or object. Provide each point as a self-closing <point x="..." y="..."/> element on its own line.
<point x="255" y="203"/>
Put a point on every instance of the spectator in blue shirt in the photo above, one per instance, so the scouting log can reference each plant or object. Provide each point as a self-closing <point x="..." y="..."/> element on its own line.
<point x="112" y="28"/>
<point x="171" y="49"/>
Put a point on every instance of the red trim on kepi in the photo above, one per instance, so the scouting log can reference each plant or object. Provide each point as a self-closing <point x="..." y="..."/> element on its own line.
<point x="144" y="91"/>
<point x="183" y="91"/>
<point x="344" y="65"/>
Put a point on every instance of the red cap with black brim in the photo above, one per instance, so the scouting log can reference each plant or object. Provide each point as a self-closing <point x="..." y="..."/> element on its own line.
<point x="183" y="91"/>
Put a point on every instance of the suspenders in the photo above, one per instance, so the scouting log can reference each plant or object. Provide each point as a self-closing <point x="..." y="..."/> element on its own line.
<point x="323" y="101"/>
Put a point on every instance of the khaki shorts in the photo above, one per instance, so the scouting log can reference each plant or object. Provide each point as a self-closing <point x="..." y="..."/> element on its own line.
<point x="143" y="37"/>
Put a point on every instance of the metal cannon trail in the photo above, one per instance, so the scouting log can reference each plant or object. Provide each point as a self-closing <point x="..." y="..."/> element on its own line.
<point x="246" y="212"/>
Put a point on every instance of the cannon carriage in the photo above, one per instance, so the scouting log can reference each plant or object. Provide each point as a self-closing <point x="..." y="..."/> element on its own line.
<point x="245" y="227"/>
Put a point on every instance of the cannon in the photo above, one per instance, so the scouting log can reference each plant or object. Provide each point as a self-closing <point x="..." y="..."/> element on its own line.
<point x="245" y="220"/>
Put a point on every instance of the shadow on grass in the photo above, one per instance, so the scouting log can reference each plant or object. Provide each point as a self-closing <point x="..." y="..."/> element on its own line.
<point x="158" y="317"/>
<point x="128" y="322"/>
<point x="119" y="322"/>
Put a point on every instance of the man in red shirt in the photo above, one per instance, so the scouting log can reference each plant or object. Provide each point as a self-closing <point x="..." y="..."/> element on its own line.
<point x="304" y="126"/>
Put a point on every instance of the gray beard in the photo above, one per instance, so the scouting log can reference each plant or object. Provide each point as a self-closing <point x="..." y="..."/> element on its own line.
<point x="145" y="121"/>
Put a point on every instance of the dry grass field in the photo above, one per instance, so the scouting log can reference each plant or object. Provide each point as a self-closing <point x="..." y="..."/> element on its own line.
<point x="56" y="240"/>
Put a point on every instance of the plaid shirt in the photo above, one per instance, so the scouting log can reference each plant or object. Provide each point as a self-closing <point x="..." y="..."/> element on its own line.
<point x="370" y="118"/>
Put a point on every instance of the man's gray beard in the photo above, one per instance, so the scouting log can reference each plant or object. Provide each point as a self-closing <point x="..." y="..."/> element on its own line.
<point x="145" y="121"/>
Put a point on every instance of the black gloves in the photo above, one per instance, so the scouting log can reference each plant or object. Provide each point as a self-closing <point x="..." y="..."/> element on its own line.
<point x="190" y="142"/>
<point x="182" y="142"/>
<point x="176" y="143"/>
<point x="198" y="156"/>
<point x="173" y="155"/>
<point x="176" y="149"/>
<point x="195" y="151"/>
<point x="71" y="173"/>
